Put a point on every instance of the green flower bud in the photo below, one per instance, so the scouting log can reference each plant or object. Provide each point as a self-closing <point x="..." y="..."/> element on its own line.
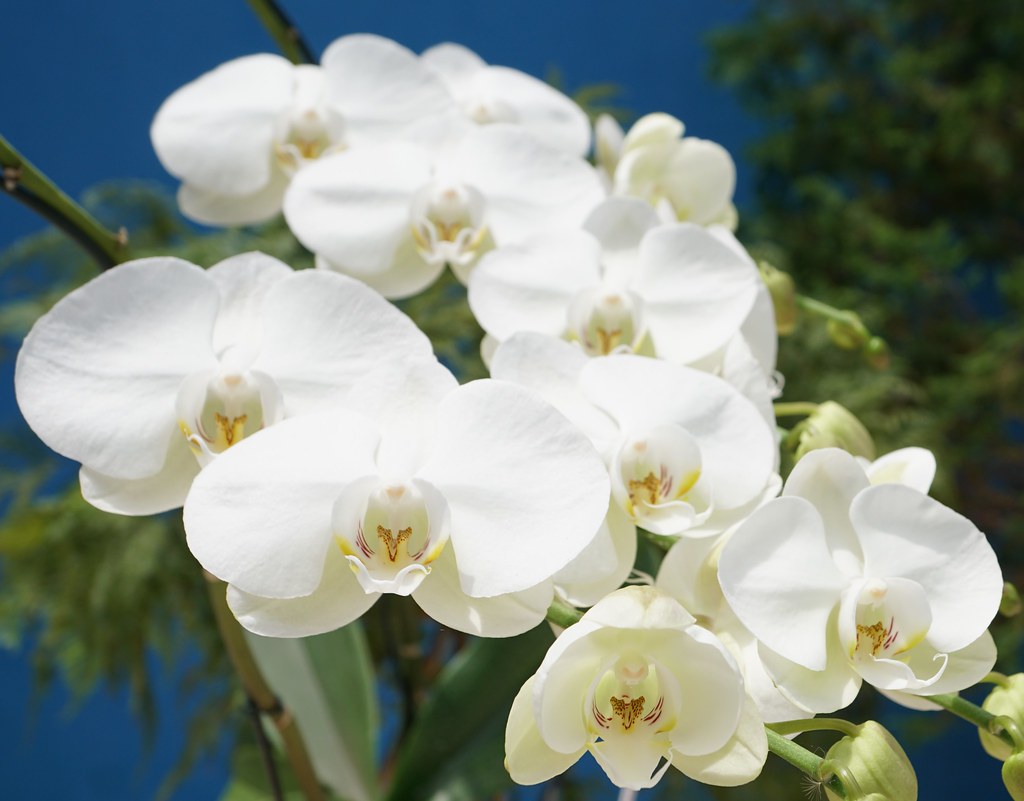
<point x="830" y="426"/>
<point x="872" y="766"/>
<point x="876" y="352"/>
<point x="1013" y="776"/>
<point x="1010" y="605"/>
<point x="848" y="332"/>
<point x="1005" y="700"/>
<point x="783" y="291"/>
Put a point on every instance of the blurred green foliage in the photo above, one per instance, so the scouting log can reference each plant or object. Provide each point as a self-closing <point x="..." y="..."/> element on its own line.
<point x="889" y="182"/>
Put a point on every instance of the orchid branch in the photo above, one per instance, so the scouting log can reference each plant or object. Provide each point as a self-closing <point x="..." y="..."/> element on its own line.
<point x="262" y="697"/>
<point x="799" y="757"/>
<point x="283" y="31"/>
<point x="27" y="184"/>
<point x="795" y="409"/>
<point x="973" y="713"/>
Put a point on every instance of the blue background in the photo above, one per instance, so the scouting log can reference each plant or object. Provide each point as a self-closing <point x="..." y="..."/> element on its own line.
<point x="81" y="82"/>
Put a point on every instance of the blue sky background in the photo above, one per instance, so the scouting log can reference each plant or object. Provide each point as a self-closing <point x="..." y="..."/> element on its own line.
<point x="80" y="83"/>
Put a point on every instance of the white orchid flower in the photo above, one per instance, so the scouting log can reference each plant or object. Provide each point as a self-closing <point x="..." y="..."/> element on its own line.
<point x="682" y="177"/>
<point x="152" y="368"/>
<point x="623" y="283"/>
<point x="488" y="94"/>
<point x="395" y="214"/>
<point x="237" y="134"/>
<point x="469" y="498"/>
<point x="843" y="581"/>
<point x="683" y="448"/>
<point x="689" y="573"/>
<point x="641" y="687"/>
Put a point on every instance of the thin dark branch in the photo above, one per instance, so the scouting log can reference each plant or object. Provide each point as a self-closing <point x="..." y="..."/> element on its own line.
<point x="283" y="31"/>
<point x="266" y="753"/>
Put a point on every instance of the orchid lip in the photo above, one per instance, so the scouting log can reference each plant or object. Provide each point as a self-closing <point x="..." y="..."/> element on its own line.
<point x="606" y="320"/>
<point x="447" y="223"/>
<point x="218" y="408"/>
<point x="390" y="532"/>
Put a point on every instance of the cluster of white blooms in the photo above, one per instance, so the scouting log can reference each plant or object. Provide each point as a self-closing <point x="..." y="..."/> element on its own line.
<point x="324" y="456"/>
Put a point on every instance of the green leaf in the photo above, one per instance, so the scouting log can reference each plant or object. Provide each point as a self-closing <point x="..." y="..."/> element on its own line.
<point x="327" y="682"/>
<point x="455" y="749"/>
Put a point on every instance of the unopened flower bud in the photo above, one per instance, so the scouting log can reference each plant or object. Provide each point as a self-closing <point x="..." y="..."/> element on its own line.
<point x="831" y="426"/>
<point x="848" y="332"/>
<point x="1005" y="701"/>
<point x="876" y="353"/>
<point x="783" y="291"/>
<point x="1013" y="776"/>
<point x="1010" y="604"/>
<point x="872" y="766"/>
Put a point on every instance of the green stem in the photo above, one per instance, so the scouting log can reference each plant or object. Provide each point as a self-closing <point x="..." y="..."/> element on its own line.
<point x="259" y="692"/>
<point x="24" y="182"/>
<point x="282" y="31"/>
<point x="802" y="759"/>
<point x="562" y="614"/>
<point x="1000" y="679"/>
<point x="795" y="409"/>
<point x="662" y="541"/>
<point x="972" y="713"/>
<point x="814" y="724"/>
<point x="822" y="309"/>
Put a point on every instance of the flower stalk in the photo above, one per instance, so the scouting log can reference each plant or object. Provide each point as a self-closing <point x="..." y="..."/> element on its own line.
<point x="972" y="713"/>
<point x="284" y="33"/>
<point x="27" y="184"/>
<point x="261" y="696"/>
<point x="802" y="759"/>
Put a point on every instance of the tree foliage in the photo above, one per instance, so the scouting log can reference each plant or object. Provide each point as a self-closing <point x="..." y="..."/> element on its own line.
<point x="889" y="182"/>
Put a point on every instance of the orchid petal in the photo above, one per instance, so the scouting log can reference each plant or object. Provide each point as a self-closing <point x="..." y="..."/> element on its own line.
<point x="830" y="479"/>
<point x="529" y="186"/>
<point x="441" y="596"/>
<point x="700" y="179"/>
<point x="562" y="684"/>
<point x="785" y="609"/>
<point x="639" y="608"/>
<point x="527" y="491"/>
<point x="698" y="292"/>
<point x="603" y="565"/>
<point x="906" y="533"/>
<point x="324" y="334"/>
<point x="619" y="224"/>
<point x="353" y="207"/>
<point x="818" y="691"/>
<point x="379" y="88"/>
<point x="260" y="516"/>
<point x="217" y="132"/>
<point x="97" y="375"/>
<point x="528" y="759"/>
<point x="538" y="107"/>
<point x="336" y="602"/>
<point x="723" y="422"/>
<point x="737" y="762"/>
<point x="632" y="762"/>
<point x="455" y="64"/>
<point x="608" y="140"/>
<point x="651" y="129"/>
<point x="528" y="287"/>
<point x="551" y="368"/>
<point x="222" y="209"/>
<point x="160" y="492"/>
<point x="964" y="668"/>
<point x="711" y="687"/>
<point x="912" y="467"/>
<point x="243" y="282"/>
